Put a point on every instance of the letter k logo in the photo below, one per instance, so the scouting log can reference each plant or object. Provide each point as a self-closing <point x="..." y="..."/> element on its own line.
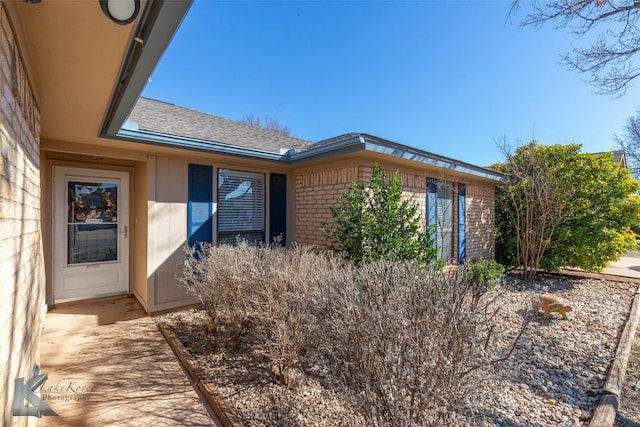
<point x="24" y="393"/>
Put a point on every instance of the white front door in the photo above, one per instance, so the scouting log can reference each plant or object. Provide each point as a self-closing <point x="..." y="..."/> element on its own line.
<point x="90" y="233"/>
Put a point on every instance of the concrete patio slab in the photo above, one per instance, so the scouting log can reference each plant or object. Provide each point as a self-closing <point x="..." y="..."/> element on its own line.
<point x="108" y="364"/>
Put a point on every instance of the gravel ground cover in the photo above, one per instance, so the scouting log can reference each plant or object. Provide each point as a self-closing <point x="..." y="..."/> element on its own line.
<point x="553" y="378"/>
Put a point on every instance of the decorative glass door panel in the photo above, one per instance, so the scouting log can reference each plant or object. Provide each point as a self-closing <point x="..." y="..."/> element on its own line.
<point x="93" y="222"/>
<point x="90" y="233"/>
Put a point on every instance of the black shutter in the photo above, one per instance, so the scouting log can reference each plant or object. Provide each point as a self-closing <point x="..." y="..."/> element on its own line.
<point x="278" y="207"/>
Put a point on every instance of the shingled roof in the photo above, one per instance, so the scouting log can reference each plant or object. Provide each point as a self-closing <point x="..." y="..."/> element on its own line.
<point x="157" y="122"/>
<point x="169" y="119"/>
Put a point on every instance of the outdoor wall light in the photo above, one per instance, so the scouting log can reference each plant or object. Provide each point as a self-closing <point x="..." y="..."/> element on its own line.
<point x="122" y="12"/>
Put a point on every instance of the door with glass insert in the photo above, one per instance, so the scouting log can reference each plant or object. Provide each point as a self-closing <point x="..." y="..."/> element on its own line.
<point x="90" y="233"/>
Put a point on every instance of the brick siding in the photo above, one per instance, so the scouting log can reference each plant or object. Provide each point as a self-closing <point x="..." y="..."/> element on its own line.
<point x="316" y="191"/>
<point x="22" y="284"/>
<point x="480" y="221"/>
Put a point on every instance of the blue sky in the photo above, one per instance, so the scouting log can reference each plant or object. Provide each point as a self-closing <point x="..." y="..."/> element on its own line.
<point x="446" y="77"/>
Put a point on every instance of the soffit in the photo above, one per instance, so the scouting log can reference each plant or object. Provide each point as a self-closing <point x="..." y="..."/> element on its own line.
<point x="75" y="54"/>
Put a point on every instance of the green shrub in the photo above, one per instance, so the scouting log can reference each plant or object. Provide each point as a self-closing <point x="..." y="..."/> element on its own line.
<point x="484" y="272"/>
<point x="375" y="223"/>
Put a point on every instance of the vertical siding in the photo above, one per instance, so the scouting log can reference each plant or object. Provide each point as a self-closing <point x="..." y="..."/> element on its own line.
<point x="140" y="233"/>
<point x="22" y="281"/>
<point x="167" y="235"/>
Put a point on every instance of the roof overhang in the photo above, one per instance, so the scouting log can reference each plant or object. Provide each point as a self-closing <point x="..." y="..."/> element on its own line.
<point x="362" y="143"/>
<point x="87" y="71"/>
<point x="131" y="134"/>
<point x="373" y="144"/>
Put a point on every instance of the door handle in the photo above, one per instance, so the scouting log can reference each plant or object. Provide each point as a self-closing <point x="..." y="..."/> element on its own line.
<point x="126" y="231"/>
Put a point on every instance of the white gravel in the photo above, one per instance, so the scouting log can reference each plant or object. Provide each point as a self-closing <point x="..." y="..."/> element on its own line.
<point x="553" y="378"/>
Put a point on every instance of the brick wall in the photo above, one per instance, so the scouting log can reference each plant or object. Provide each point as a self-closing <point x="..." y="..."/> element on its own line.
<point x="316" y="191"/>
<point x="22" y="284"/>
<point x="480" y="221"/>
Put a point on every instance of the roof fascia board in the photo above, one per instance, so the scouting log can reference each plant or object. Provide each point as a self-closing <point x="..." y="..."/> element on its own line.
<point x="163" y="140"/>
<point x="156" y="27"/>
<point x="367" y="143"/>
<point x="394" y="150"/>
<point x="326" y="151"/>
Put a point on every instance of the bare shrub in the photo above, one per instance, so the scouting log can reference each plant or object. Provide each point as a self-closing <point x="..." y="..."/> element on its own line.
<point x="279" y="305"/>
<point x="411" y="341"/>
<point x="414" y="340"/>
<point x="260" y="292"/>
<point x="216" y="275"/>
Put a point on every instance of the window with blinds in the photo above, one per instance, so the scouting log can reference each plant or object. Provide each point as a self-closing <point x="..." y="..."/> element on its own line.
<point x="442" y="219"/>
<point x="445" y="219"/>
<point x="241" y="206"/>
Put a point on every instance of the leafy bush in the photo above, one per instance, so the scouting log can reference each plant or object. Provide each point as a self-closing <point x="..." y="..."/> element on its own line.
<point x="410" y="340"/>
<point x="563" y="208"/>
<point x="484" y="272"/>
<point x="374" y="223"/>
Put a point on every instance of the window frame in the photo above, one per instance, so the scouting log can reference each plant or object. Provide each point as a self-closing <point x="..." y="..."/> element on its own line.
<point x="229" y="235"/>
<point x="458" y="224"/>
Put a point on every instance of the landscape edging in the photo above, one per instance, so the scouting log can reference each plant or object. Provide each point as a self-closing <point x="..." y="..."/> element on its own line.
<point x="605" y="413"/>
<point x="225" y="414"/>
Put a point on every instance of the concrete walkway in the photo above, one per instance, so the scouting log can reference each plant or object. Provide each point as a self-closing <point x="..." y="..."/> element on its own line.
<point x="109" y="365"/>
<point x="627" y="266"/>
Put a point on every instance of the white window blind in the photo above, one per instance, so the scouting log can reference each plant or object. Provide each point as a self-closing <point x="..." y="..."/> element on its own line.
<point x="445" y="219"/>
<point x="240" y="206"/>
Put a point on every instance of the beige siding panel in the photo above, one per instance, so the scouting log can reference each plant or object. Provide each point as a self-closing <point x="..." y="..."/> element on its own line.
<point x="22" y="279"/>
<point x="167" y="233"/>
<point x="139" y="225"/>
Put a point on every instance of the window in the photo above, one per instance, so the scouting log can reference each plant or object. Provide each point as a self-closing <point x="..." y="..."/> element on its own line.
<point x="444" y="224"/>
<point x="442" y="218"/>
<point x="92" y="222"/>
<point x="240" y="206"/>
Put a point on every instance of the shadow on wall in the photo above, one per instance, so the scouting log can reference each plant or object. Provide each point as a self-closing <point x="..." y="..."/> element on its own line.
<point x="481" y="224"/>
<point x="23" y="306"/>
<point x="166" y="255"/>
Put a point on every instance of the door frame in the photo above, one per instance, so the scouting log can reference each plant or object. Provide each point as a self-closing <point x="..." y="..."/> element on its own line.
<point x="59" y="243"/>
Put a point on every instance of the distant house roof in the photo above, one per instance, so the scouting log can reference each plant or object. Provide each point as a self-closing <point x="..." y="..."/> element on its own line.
<point x="620" y="158"/>
<point x="161" y="123"/>
<point x="169" y="119"/>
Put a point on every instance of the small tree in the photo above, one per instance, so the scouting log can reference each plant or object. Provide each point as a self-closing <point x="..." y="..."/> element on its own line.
<point x="565" y="208"/>
<point x="267" y="123"/>
<point x="375" y="223"/>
